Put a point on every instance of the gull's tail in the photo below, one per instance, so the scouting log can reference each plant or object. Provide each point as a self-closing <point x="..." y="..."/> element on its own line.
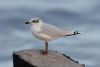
<point x="73" y="33"/>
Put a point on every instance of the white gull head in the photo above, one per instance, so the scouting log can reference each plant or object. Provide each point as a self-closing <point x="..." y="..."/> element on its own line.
<point x="35" y="22"/>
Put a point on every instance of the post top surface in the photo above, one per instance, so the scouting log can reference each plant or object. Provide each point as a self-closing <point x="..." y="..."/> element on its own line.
<point x="52" y="59"/>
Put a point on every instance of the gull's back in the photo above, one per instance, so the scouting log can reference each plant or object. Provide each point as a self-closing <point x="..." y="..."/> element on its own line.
<point x="53" y="31"/>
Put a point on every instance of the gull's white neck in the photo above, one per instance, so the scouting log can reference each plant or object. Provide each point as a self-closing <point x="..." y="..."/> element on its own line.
<point x="36" y="27"/>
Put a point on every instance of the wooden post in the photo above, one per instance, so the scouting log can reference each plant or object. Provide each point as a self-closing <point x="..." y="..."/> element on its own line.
<point x="33" y="58"/>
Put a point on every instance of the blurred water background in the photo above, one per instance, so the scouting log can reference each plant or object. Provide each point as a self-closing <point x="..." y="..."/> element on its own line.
<point x="81" y="15"/>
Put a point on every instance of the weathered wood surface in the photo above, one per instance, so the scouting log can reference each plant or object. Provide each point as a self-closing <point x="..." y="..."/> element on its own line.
<point x="33" y="58"/>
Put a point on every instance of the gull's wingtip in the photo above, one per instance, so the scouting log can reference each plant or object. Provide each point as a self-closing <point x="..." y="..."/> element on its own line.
<point x="76" y="32"/>
<point x="73" y="33"/>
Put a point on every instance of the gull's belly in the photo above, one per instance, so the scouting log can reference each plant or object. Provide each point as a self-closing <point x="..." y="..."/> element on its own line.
<point x="43" y="36"/>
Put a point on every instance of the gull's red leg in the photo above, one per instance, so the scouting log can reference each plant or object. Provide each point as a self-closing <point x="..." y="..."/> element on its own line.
<point x="46" y="47"/>
<point x="45" y="52"/>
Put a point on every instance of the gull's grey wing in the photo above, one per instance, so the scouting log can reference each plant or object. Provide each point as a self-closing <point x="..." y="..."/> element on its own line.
<point x="53" y="31"/>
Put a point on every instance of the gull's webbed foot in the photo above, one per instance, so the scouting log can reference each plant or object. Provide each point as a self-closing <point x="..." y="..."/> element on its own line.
<point x="44" y="52"/>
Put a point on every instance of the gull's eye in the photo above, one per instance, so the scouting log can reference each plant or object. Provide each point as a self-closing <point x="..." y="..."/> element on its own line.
<point x="35" y="21"/>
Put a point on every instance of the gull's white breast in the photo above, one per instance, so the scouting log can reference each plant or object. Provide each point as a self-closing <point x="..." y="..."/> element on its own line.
<point x="36" y="31"/>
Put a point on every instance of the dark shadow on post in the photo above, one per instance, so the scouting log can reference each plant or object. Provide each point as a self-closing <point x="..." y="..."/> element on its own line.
<point x="19" y="62"/>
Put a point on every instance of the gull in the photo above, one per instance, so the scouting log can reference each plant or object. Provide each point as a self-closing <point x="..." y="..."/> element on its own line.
<point x="47" y="32"/>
